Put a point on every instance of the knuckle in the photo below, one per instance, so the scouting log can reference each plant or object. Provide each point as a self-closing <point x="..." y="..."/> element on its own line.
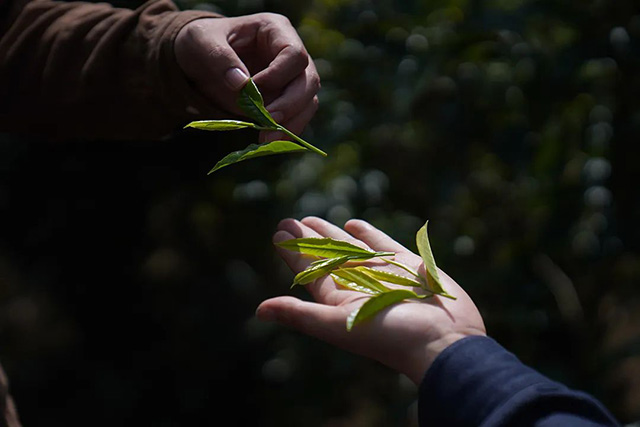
<point x="275" y="17"/>
<point x="299" y="54"/>
<point x="314" y="80"/>
<point x="217" y="52"/>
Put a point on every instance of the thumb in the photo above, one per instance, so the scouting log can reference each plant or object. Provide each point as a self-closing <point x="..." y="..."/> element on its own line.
<point x="225" y="63"/>
<point x="205" y="56"/>
<point x="318" y="320"/>
<point x="226" y="76"/>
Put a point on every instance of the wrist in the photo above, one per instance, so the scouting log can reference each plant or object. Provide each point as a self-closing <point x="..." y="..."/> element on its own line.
<point x="172" y="84"/>
<point x="423" y="359"/>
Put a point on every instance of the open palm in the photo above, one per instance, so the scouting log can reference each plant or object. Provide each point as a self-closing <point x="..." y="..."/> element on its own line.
<point x="406" y="337"/>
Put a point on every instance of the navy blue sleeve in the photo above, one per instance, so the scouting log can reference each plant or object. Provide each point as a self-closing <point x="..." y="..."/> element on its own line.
<point x="476" y="382"/>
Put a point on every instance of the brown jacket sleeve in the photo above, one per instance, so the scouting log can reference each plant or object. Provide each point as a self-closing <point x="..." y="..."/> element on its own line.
<point x="90" y="70"/>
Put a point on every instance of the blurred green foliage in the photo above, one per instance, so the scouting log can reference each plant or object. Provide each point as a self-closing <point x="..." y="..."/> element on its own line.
<point x="128" y="278"/>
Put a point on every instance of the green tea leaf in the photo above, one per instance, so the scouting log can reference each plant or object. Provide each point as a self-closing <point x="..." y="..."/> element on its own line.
<point x="221" y="125"/>
<point x="255" y="150"/>
<point x="424" y="248"/>
<point x="328" y="248"/>
<point x="405" y="268"/>
<point x="361" y="279"/>
<point x="385" y="276"/>
<point x="352" y="285"/>
<point x="252" y="104"/>
<point x="376" y="304"/>
<point x="318" y="269"/>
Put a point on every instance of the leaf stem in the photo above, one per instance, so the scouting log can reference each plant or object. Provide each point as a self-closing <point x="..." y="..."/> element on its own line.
<point x="421" y="279"/>
<point x="385" y="254"/>
<point x="405" y="268"/>
<point x="302" y="141"/>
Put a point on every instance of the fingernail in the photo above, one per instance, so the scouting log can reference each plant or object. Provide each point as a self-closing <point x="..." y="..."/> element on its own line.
<point x="235" y="78"/>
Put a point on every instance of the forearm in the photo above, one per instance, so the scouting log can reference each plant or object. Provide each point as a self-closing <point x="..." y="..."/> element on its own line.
<point x="94" y="71"/>
<point x="476" y="382"/>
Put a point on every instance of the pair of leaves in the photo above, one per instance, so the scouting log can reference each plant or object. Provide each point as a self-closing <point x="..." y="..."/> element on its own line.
<point x="369" y="281"/>
<point x="335" y="254"/>
<point x="251" y="103"/>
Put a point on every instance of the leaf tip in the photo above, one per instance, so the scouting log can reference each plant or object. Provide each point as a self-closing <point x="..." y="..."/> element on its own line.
<point x="447" y="295"/>
<point x="351" y="319"/>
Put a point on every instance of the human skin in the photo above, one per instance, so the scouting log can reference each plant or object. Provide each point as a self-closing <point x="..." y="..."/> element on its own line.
<point x="219" y="54"/>
<point x="406" y="337"/>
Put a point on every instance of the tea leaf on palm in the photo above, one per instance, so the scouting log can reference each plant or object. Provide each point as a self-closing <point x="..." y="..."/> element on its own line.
<point x="345" y="283"/>
<point x="386" y="276"/>
<point x="377" y="303"/>
<point x="361" y="279"/>
<point x="255" y="150"/>
<point x="318" y="269"/>
<point x="329" y="248"/>
<point x="424" y="248"/>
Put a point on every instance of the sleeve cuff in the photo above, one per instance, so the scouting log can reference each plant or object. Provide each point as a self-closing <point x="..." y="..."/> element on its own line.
<point x="476" y="382"/>
<point x="176" y="92"/>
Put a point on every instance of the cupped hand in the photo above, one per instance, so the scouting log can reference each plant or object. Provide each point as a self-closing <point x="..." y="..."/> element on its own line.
<point x="406" y="337"/>
<point x="219" y="54"/>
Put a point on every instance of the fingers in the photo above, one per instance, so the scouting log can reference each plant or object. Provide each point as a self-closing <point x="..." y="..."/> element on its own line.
<point x="356" y="231"/>
<point x="297" y="95"/>
<point x="290" y="82"/>
<point x="219" y="55"/>
<point x="287" y="57"/>
<point x="326" y="229"/>
<point x="373" y="237"/>
<point x="298" y="122"/>
<point x="294" y="260"/>
<point x="296" y="228"/>
<point x="296" y="125"/>
<point x="321" y="289"/>
<point x="289" y="63"/>
<point x="296" y="105"/>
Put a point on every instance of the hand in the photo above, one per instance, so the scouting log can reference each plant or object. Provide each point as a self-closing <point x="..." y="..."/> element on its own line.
<point x="406" y="337"/>
<point x="219" y="54"/>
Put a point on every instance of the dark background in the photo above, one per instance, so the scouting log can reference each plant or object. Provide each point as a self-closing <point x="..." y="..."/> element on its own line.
<point x="129" y="278"/>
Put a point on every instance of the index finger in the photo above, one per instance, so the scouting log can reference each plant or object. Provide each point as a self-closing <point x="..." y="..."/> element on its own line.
<point x="373" y="237"/>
